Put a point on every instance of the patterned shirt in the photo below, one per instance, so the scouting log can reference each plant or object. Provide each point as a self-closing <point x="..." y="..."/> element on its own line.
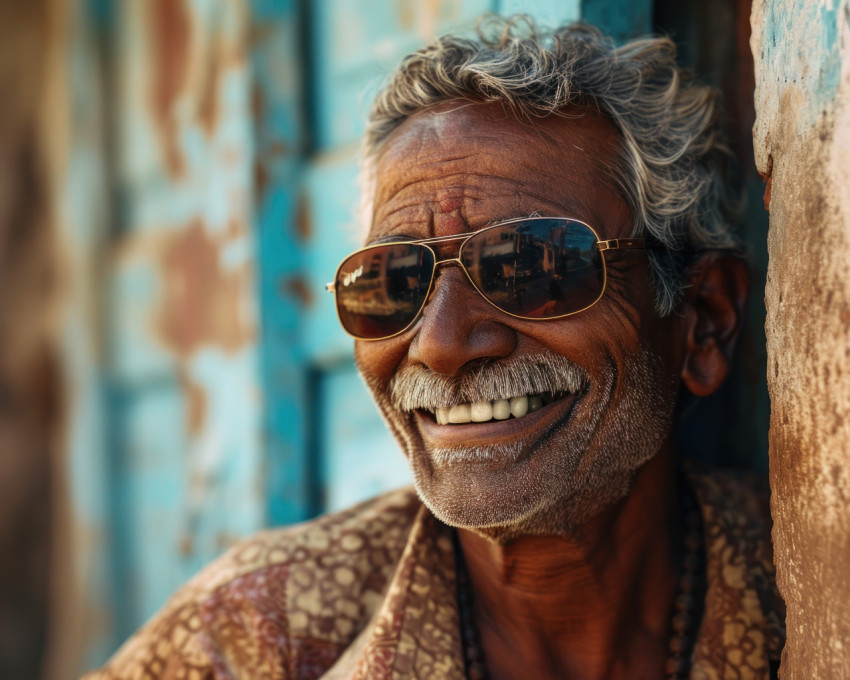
<point x="370" y="594"/>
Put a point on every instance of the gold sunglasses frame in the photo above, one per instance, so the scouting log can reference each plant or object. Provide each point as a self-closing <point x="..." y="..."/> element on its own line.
<point x="603" y="246"/>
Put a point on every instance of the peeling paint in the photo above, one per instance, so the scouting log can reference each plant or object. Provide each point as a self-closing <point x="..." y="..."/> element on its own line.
<point x="795" y="45"/>
<point x="203" y="302"/>
<point x="767" y="178"/>
<point x="196" y="407"/>
<point x="191" y="48"/>
<point x="169" y="28"/>
<point x="208" y="99"/>
<point x="303" y="218"/>
<point x="299" y="288"/>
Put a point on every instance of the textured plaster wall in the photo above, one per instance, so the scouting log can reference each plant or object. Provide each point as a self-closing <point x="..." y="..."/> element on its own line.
<point x="802" y="148"/>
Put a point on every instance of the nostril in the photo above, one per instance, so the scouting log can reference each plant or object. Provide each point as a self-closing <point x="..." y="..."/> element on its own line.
<point x="458" y="326"/>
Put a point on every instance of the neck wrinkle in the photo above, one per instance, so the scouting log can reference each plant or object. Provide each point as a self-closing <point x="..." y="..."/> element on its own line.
<point x="585" y="594"/>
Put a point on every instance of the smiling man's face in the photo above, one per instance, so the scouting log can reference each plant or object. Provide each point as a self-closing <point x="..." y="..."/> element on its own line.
<point x="601" y="384"/>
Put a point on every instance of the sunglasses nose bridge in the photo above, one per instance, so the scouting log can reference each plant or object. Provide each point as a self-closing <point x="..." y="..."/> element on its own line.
<point x="454" y="262"/>
<point x="447" y="263"/>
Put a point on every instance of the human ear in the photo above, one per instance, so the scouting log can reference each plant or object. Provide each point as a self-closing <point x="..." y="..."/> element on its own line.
<point x="712" y="311"/>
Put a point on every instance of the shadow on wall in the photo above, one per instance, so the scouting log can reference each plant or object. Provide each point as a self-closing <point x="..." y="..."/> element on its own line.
<point x="30" y="402"/>
<point x="713" y="41"/>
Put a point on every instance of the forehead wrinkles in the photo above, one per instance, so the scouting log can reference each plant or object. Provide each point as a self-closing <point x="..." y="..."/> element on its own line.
<point x="438" y="145"/>
<point x="400" y="171"/>
<point x="500" y="168"/>
<point x="470" y="197"/>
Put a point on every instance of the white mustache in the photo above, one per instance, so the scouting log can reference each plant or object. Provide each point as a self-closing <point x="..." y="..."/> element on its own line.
<point x="417" y="387"/>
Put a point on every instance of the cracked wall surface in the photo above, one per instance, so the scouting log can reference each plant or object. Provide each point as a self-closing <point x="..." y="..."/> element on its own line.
<point x="801" y="140"/>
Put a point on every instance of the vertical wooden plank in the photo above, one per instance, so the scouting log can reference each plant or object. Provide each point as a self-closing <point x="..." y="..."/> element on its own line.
<point x="280" y="228"/>
<point x="84" y="621"/>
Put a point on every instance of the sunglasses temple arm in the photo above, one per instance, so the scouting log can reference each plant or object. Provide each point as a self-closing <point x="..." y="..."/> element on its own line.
<point x="621" y="244"/>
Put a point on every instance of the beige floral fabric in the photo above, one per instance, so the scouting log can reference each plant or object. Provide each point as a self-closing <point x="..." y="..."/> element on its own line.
<point x="743" y="628"/>
<point x="370" y="594"/>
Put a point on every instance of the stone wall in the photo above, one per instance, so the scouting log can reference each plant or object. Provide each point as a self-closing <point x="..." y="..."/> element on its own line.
<point x="802" y="148"/>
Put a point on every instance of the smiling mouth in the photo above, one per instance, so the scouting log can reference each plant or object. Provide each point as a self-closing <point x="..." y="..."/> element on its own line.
<point x="496" y="410"/>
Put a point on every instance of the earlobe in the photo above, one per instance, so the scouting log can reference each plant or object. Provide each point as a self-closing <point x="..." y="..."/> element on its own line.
<point x="712" y="311"/>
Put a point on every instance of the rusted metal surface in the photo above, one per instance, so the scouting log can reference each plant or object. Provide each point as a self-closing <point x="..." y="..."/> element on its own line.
<point x="802" y="134"/>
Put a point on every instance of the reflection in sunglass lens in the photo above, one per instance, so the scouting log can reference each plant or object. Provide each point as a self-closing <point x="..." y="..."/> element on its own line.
<point x="540" y="268"/>
<point x="380" y="290"/>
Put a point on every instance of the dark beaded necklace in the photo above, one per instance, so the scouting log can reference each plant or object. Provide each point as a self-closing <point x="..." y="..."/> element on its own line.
<point x="473" y="652"/>
<point x="688" y="604"/>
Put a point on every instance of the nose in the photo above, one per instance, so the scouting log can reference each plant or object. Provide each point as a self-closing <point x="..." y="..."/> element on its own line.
<point x="458" y="326"/>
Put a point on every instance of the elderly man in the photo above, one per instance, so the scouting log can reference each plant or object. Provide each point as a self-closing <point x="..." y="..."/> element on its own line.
<point x="549" y="274"/>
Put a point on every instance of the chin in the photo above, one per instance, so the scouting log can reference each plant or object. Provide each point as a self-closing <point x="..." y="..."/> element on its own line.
<point x="553" y="482"/>
<point x="528" y="498"/>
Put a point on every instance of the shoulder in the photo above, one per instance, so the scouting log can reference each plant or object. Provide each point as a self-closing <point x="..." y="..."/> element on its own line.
<point x="278" y="598"/>
<point x="350" y="536"/>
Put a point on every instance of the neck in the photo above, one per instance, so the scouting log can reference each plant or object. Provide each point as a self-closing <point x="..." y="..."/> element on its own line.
<point x="593" y="605"/>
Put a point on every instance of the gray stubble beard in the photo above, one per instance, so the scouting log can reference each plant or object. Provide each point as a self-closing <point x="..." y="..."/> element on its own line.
<point x="601" y="449"/>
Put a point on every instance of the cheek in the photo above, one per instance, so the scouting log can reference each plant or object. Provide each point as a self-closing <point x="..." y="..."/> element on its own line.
<point x="588" y="339"/>
<point x="378" y="361"/>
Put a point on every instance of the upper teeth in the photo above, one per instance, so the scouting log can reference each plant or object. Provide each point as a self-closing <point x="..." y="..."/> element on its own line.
<point x="482" y="411"/>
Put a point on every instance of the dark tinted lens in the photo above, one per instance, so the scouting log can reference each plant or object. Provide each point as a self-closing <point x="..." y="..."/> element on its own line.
<point x="539" y="268"/>
<point x="379" y="291"/>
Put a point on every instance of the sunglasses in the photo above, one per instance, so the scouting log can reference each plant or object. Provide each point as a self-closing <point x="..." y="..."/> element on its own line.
<point x="534" y="268"/>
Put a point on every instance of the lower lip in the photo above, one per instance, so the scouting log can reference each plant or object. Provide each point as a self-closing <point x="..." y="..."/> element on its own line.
<point x="494" y="431"/>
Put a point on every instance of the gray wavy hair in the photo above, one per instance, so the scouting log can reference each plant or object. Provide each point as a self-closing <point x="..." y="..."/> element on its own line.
<point x="675" y="163"/>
